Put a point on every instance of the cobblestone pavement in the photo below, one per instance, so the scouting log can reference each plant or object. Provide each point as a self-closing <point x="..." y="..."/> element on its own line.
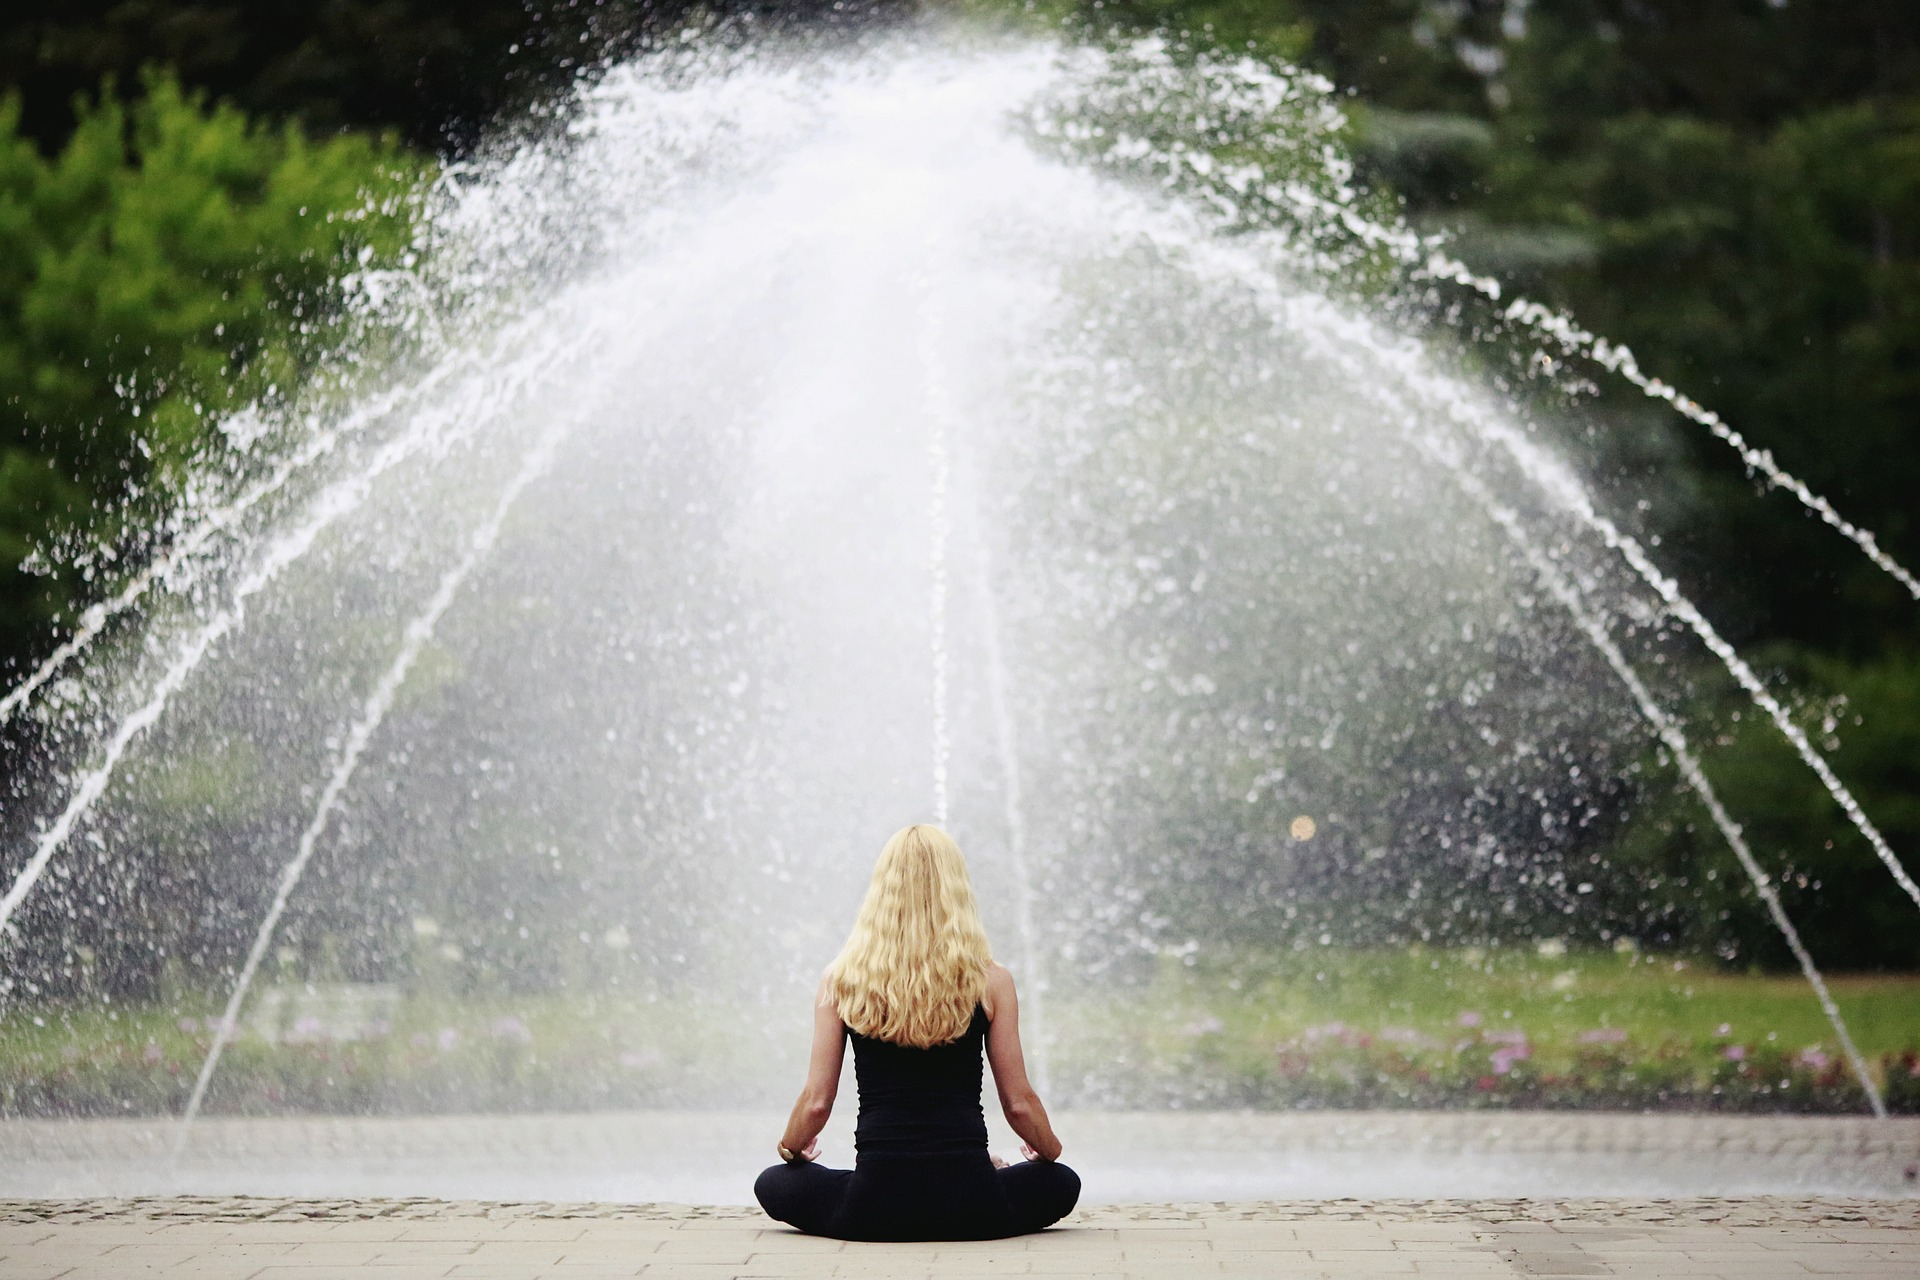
<point x="259" y="1239"/>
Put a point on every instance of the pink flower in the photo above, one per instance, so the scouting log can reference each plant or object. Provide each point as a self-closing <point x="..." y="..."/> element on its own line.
<point x="1603" y="1035"/>
<point x="1505" y="1056"/>
<point x="1815" y="1059"/>
<point x="1470" y="1019"/>
<point x="1734" y="1053"/>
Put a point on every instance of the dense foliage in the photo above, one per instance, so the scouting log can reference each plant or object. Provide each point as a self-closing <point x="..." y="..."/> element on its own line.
<point x="436" y="72"/>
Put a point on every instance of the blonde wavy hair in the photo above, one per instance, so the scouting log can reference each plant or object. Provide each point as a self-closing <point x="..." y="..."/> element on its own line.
<point x="915" y="965"/>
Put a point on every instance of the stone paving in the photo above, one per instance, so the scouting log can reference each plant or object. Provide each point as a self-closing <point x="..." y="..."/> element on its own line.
<point x="228" y="1239"/>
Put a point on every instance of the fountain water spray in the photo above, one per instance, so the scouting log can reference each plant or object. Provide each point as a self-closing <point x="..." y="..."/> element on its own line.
<point x="1612" y="356"/>
<point x="1315" y="319"/>
<point x="1675" y="739"/>
<point x="172" y="568"/>
<point x="708" y="587"/>
<point x="1554" y="481"/>
<point x="336" y="502"/>
<point x="1592" y="622"/>
<point x="353" y="746"/>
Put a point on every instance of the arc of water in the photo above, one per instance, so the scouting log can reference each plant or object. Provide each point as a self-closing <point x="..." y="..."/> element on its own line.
<point x="335" y="502"/>
<point x="1314" y="319"/>
<point x="168" y="566"/>
<point x="1545" y="322"/>
<point x="372" y="712"/>
<point x="1621" y="361"/>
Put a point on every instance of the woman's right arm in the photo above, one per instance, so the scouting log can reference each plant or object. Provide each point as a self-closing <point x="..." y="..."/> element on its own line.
<point x="1018" y="1101"/>
<point x="815" y="1104"/>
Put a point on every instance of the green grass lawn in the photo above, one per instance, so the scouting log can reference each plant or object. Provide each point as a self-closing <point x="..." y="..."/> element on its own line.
<point x="1318" y="1028"/>
<point x="1551" y="997"/>
<point x="1471" y="1026"/>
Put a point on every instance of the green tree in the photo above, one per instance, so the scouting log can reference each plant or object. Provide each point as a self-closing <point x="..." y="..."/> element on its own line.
<point x="437" y="72"/>
<point x="174" y="259"/>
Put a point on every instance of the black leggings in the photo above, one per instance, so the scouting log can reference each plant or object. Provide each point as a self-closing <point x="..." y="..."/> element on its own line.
<point x="892" y="1197"/>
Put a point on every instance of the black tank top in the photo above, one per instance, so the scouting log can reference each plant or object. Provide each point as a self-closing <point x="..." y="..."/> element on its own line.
<point x="920" y="1101"/>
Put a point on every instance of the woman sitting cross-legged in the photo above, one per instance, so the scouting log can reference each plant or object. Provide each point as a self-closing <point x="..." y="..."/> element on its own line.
<point x="917" y="992"/>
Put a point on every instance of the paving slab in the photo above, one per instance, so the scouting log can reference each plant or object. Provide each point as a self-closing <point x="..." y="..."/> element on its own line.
<point x="1748" y="1238"/>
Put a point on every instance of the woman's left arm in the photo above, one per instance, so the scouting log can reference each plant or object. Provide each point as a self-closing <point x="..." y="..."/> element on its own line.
<point x="815" y="1104"/>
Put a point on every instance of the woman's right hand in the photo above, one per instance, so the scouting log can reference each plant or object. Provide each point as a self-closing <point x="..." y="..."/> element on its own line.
<point x="1026" y="1149"/>
<point x="806" y="1155"/>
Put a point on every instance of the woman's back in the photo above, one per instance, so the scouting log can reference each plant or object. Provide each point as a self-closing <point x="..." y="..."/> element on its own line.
<point x="920" y="1101"/>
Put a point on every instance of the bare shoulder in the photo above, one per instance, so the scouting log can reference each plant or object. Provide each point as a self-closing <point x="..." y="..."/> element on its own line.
<point x="1000" y="994"/>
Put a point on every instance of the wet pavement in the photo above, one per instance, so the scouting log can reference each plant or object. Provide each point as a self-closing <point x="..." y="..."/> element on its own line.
<point x="712" y="1157"/>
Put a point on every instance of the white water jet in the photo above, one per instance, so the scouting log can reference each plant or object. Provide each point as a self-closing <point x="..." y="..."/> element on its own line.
<point x="1674" y="737"/>
<point x="1555" y="481"/>
<point x="1006" y="741"/>
<point x="940" y="423"/>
